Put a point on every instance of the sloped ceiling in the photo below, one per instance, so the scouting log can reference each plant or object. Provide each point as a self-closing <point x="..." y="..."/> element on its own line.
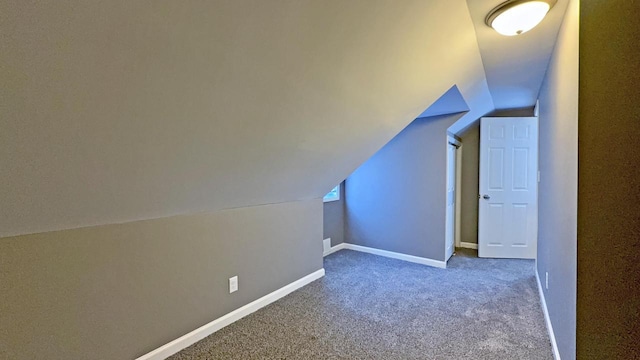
<point x="515" y="65"/>
<point x="117" y="111"/>
<point x="449" y="103"/>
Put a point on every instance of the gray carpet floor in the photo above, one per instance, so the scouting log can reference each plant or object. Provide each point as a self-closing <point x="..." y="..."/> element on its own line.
<point x="371" y="307"/>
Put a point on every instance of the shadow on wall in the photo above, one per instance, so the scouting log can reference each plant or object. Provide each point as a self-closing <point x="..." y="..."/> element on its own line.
<point x="469" y="184"/>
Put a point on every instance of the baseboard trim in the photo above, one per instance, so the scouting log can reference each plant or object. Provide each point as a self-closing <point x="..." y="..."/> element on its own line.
<point x="395" y="255"/>
<point x="547" y="319"/>
<point x="468" y="245"/>
<point x="200" y="333"/>
<point x="334" y="249"/>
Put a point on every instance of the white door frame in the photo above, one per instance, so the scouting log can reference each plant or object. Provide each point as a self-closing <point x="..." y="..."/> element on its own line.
<point x="451" y="140"/>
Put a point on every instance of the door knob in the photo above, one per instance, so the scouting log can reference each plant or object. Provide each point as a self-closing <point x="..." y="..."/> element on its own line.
<point x="486" y="197"/>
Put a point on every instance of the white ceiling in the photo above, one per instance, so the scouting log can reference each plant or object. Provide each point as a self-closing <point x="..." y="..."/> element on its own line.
<point x="515" y="66"/>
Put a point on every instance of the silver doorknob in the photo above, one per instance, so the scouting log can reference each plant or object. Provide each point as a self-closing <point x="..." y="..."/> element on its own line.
<point x="486" y="197"/>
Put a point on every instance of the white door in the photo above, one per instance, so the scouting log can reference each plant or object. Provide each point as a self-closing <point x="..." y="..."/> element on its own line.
<point x="508" y="201"/>
<point x="451" y="200"/>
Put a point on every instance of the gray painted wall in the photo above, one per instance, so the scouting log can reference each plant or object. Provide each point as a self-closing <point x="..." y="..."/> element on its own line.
<point x="524" y="112"/>
<point x="557" y="199"/>
<point x="608" y="299"/>
<point x="120" y="291"/>
<point x="469" y="184"/>
<point x="109" y="115"/>
<point x="396" y="200"/>
<point x="333" y="223"/>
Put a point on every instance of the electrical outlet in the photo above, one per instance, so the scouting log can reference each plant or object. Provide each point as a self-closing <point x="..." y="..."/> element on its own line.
<point x="233" y="284"/>
<point x="546" y="280"/>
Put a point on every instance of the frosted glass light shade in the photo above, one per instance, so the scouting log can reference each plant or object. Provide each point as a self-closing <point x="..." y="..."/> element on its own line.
<point x="518" y="17"/>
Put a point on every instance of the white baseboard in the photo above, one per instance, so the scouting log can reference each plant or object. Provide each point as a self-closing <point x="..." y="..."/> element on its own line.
<point x="200" y="333"/>
<point x="334" y="249"/>
<point x="547" y="319"/>
<point x="468" y="245"/>
<point x="393" y="255"/>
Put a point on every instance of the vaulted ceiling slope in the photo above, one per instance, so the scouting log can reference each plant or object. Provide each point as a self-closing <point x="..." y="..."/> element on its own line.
<point x="515" y="65"/>
<point x="117" y="111"/>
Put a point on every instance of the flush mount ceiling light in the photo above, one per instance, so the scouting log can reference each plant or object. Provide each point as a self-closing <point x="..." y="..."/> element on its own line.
<point x="516" y="17"/>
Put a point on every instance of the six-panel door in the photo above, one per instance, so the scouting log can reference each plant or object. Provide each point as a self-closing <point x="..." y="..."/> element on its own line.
<point x="508" y="201"/>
